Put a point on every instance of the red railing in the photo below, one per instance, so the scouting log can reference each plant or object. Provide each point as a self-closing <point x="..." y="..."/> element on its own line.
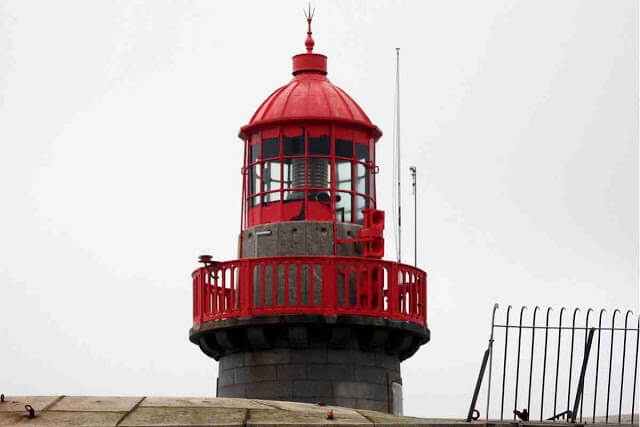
<point x="309" y="285"/>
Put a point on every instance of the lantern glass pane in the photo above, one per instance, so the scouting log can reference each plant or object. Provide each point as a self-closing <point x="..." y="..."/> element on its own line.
<point x="343" y="207"/>
<point x="361" y="178"/>
<point x="343" y="175"/>
<point x="361" y="203"/>
<point x="271" y="181"/>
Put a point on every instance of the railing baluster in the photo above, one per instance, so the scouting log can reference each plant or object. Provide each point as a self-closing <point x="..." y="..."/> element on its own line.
<point x="298" y="285"/>
<point x="635" y="372"/>
<point x="286" y="284"/>
<point x="586" y="328"/>
<point x="624" y="354"/>
<point x="544" y="360"/>
<point x="504" y="365"/>
<point x="533" y="341"/>
<point x="274" y="284"/>
<point x="595" y="389"/>
<point x="613" y="322"/>
<point x="515" y="401"/>
<point x="573" y="333"/>
<point x="263" y="287"/>
<point x="555" y="390"/>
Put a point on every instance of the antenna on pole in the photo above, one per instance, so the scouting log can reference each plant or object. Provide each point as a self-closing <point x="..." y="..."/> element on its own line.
<point x="415" y="215"/>
<point x="397" y="199"/>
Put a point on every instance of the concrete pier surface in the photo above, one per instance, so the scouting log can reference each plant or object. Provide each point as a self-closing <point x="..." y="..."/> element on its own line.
<point x="203" y="411"/>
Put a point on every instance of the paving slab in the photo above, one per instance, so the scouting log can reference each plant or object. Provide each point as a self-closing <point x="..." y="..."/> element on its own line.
<point x="96" y="403"/>
<point x="11" y="418"/>
<point x="272" y="418"/>
<point x="208" y="402"/>
<point x="16" y="403"/>
<point x="383" y="419"/>
<point x="161" y="416"/>
<point x="72" y="418"/>
<point x="311" y="408"/>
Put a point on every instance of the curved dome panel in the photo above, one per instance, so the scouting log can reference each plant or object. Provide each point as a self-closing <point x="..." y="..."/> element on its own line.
<point x="310" y="96"/>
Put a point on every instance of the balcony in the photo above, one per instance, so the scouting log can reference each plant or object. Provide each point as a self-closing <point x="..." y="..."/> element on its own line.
<point x="321" y="285"/>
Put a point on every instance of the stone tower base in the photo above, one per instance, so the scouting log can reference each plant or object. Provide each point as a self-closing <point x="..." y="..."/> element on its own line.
<point x="344" y="360"/>
<point x="352" y="378"/>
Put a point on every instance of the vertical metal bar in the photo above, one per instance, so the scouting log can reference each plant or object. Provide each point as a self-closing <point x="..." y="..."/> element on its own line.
<point x="586" y="327"/>
<point x="299" y="284"/>
<point x="504" y="365"/>
<point x="544" y="360"/>
<point x="415" y="225"/>
<point x="262" y="286"/>
<point x="515" y="401"/>
<point x="274" y="285"/>
<point x="493" y="322"/>
<point x="573" y="333"/>
<point x="585" y="361"/>
<point x="474" y="399"/>
<point x="595" y="390"/>
<point x="311" y="282"/>
<point x="533" y="341"/>
<point x="624" y="354"/>
<point x="243" y="209"/>
<point x="613" y="322"/>
<point x="286" y="284"/>
<point x="555" y="391"/>
<point x="635" y="373"/>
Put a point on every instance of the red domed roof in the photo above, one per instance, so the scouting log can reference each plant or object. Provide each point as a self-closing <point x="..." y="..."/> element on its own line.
<point x="310" y="96"/>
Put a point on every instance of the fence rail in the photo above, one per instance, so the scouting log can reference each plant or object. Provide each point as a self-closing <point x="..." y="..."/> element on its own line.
<point x="550" y="351"/>
<point x="309" y="285"/>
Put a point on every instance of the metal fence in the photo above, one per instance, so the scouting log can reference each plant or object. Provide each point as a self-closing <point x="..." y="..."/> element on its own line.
<point x="572" y="364"/>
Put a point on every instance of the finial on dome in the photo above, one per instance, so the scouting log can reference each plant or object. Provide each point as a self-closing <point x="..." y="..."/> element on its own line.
<point x="309" y="43"/>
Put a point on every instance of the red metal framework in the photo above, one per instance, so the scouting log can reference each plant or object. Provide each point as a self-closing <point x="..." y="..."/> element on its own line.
<point x="325" y="285"/>
<point x="308" y="172"/>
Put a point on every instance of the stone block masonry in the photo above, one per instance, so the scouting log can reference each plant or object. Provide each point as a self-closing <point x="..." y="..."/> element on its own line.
<point x="351" y="378"/>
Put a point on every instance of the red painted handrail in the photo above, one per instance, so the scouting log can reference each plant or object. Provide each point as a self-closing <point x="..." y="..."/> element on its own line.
<point x="309" y="285"/>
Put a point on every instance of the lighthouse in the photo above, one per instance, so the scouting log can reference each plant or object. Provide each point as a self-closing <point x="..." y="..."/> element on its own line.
<point x="310" y="311"/>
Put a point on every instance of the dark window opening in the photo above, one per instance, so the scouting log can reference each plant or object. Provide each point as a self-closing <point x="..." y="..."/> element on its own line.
<point x="344" y="148"/>
<point x="294" y="145"/>
<point x="254" y="152"/>
<point x="270" y="148"/>
<point x="320" y="145"/>
<point x="362" y="152"/>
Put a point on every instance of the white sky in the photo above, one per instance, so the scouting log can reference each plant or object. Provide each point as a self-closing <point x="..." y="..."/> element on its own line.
<point x="119" y="164"/>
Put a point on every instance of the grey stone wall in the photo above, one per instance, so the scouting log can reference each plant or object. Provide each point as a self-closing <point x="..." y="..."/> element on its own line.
<point x="341" y="377"/>
<point x="298" y="238"/>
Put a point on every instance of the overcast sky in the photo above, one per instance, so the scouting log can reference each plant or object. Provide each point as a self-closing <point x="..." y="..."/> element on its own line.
<point x="120" y="164"/>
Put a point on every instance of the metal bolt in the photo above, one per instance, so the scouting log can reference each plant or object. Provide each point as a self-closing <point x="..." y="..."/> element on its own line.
<point x="30" y="410"/>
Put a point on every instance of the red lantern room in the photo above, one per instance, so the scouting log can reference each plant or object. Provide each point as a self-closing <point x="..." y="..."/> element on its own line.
<point x="309" y="303"/>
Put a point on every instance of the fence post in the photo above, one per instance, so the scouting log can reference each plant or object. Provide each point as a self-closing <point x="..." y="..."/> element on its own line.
<point x="585" y="361"/>
<point x="474" y="399"/>
<point x="493" y="322"/>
